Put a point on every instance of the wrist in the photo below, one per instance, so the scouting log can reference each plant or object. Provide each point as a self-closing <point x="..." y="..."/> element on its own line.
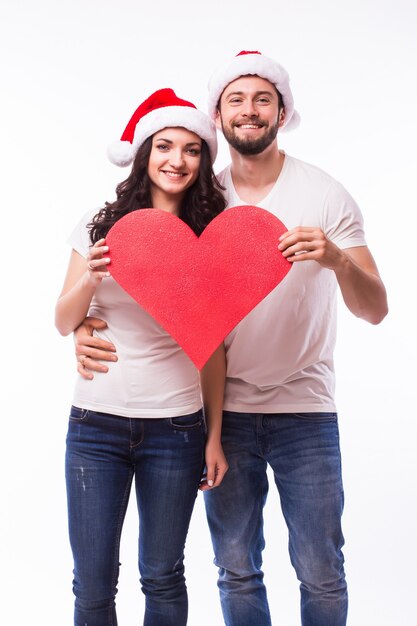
<point x="213" y="438"/>
<point x="344" y="264"/>
<point x="88" y="281"/>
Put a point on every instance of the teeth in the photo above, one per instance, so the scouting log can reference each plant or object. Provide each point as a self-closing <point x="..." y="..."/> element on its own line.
<point x="174" y="174"/>
<point x="249" y="126"/>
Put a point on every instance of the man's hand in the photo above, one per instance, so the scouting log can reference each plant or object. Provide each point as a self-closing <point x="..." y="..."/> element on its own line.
<point x="310" y="244"/>
<point x="356" y="272"/>
<point x="91" y="350"/>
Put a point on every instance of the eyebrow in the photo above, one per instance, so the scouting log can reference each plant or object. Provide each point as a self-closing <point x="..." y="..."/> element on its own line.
<point x="257" y="93"/>
<point x="190" y="143"/>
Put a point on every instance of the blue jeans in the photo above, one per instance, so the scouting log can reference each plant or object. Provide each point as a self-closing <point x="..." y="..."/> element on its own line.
<point x="303" y="452"/>
<point x="166" y="457"/>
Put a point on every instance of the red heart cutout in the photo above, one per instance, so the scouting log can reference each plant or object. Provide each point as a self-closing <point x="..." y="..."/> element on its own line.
<point x="198" y="288"/>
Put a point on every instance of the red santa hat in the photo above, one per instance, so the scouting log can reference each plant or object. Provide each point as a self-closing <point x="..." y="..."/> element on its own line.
<point x="162" y="109"/>
<point x="253" y="63"/>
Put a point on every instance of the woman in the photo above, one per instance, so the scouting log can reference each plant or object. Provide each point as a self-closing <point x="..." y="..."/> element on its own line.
<point x="144" y="418"/>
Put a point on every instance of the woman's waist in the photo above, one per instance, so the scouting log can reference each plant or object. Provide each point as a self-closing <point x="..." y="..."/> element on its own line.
<point x="137" y="397"/>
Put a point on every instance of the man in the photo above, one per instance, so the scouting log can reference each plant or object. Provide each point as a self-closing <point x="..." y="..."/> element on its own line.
<point x="279" y="398"/>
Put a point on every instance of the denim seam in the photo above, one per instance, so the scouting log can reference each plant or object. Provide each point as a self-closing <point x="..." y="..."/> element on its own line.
<point x="116" y="554"/>
<point x="78" y="420"/>
<point x="137" y="443"/>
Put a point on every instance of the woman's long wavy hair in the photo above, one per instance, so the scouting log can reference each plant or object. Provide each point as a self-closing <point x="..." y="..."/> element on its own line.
<point x="201" y="203"/>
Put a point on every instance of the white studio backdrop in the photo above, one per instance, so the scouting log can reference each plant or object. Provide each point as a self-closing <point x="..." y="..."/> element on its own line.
<point x="72" y="74"/>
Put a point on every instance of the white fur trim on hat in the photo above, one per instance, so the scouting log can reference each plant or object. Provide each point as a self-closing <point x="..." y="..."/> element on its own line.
<point x="258" y="65"/>
<point x="123" y="152"/>
<point x="192" y="119"/>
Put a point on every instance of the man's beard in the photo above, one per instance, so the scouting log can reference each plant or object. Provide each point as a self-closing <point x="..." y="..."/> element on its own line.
<point x="248" y="146"/>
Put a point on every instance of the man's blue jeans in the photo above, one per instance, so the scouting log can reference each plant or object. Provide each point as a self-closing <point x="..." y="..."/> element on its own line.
<point x="166" y="457"/>
<point x="303" y="451"/>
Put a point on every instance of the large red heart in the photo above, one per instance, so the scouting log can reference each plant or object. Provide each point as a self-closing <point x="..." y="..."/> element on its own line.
<point x="198" y="288"/>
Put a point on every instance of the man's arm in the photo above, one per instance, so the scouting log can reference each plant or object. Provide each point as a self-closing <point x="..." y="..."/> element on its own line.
<point x="357" y="274"/>
<point x="90" y="350"/>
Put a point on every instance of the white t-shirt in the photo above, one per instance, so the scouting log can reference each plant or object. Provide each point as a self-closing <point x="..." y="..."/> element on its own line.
<point x="280" y="357"/>
<point x="153" y="377"/>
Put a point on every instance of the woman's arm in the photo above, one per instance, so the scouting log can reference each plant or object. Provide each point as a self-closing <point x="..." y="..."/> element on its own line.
<point x="212" y="379"/>
<point x="83" y="277"/>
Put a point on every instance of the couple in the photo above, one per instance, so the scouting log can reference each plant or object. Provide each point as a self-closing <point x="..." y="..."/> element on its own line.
<point x="142" y="415"/>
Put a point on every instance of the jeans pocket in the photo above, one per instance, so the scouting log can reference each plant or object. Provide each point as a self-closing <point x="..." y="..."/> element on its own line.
<point x="185" y="422"/>
<point x="78" y="415"/>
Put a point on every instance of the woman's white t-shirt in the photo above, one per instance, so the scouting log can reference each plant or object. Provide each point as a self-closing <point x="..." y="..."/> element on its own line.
<point x="153" y="377"/>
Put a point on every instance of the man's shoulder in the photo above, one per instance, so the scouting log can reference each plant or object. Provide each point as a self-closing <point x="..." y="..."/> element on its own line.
<point x="316" y="182"/>
<point x="310" y="171"/>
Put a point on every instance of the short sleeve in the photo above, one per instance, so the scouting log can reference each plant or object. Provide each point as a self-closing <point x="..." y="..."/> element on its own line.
<point x="79" y="240"/>
<point x="343" y="218"/>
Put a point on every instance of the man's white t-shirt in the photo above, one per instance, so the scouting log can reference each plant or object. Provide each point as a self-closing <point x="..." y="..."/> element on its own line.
<point x="153" y="377"/>
<point x="280" y="357"/>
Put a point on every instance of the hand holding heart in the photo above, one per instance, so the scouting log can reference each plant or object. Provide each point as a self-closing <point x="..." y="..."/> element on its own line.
<point x="97" y="262"/>
<point x="198" y="288"/>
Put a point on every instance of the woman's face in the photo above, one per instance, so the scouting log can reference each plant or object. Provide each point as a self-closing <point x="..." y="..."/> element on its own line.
<point x="174" y="163"/>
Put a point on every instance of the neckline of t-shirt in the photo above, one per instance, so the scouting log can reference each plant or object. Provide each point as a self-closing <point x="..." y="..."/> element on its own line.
<point x="277" y="184"/>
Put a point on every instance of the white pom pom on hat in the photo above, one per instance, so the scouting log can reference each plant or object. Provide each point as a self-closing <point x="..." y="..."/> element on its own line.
<point x="163" y="109"/>
<point x="254" y="63"/>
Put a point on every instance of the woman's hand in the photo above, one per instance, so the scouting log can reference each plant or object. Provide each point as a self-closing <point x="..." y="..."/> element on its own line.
<point x="97" y="262"/>
<point x="216" y="466"/>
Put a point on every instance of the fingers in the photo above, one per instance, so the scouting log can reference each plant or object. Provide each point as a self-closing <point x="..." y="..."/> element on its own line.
<point x="214" y="475"/>
<point x="96" y="261"/>
<point x="90" y="355"/>
<point x="94" y="322"/>
<point x="211" y="475"/>
<point x="84" y="333"/>
<point x="300" y="234"/>
<point x="91" y="350"/>
<point x="92" y="364"/>
<point x="203" y="482"/>
<point x="298" y="250"/>
<point x="98" y="268"/>
<point x="221" y="470"/>
<point x="90" y="359"/>
<point x="302" y="243"/>
<point x="95" y="347"/>
<point x="84" y="339"/>
<point x="87" y="365"/>
<point x="96" y="350"/>
<point x="83" y="371"/>
<point x="98" y="250"/>
<point x="304" y="231"/>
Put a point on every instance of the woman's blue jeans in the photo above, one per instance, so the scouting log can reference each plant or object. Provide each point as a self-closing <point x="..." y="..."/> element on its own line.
<point x="104" y="453"/>
<point x="303" y="452"/>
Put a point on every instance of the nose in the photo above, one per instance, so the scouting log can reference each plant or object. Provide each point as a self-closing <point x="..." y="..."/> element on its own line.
<point x="249" y="108"/>
<point x="176" y="158"/>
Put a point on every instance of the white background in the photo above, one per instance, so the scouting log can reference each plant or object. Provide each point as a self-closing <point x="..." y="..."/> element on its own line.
<point x="73" y="72"/>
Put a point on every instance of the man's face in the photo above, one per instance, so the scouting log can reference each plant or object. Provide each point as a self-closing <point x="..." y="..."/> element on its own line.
<point x="249" y="114"/>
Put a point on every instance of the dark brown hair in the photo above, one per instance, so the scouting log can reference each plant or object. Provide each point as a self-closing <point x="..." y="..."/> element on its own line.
<point x="202" y="201"/>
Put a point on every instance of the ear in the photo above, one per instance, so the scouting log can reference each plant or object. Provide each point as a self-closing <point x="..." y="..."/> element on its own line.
<point x="281" y="118"/>
<point x="218" y="120"/>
